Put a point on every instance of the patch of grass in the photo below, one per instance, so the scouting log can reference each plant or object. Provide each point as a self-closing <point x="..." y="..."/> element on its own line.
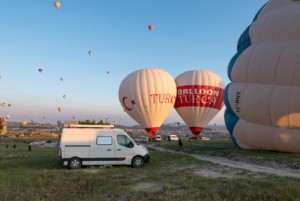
<point x="31" y="176"/>
<point x="225" y="148"/>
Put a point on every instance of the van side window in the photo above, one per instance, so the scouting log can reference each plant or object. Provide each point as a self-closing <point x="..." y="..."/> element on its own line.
<point x="124" y="141"/>
<point x="104" y="140"/>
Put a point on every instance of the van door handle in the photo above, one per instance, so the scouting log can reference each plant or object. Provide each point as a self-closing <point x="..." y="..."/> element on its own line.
<point x="119" y="149"/>
<point x="108" y="149"/>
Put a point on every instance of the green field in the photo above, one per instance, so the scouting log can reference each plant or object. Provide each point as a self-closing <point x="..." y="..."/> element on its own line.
<point x="34" y="175"/>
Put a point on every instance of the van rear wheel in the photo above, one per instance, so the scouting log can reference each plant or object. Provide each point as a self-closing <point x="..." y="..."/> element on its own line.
<point x="74" y="163"/>
<point x="137" y="162"/>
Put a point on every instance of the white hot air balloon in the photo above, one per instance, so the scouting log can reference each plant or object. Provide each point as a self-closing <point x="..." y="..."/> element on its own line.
<point x="7" y="116"/>
<point x="262" y="101"/>
<point x="24" y="123"/>
<point x="148" y="96"/>
<point x="199" y="98"/>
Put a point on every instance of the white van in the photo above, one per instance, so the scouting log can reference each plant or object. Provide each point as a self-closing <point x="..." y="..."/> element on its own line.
<point x="173" y="138"/>
<point x="99" y="145"/>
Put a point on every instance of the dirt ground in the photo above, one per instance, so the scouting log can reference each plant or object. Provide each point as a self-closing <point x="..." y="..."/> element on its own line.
<point x="232" y="169"/>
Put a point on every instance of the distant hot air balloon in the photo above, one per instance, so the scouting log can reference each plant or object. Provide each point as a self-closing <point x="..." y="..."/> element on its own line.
<point x="64" y="96"/>
<point x="262" y="101"/>
<point x="44" y="117"/>
<point x="57" y="4"/>
<point x="90" y="53"/>
<point x="24" y="123"/>
<point x="74" y="117"/>
<point x="0" y="77"/>
<point x="107" y="72"/>
<point x="150" y="27"/>
<point x="148" y="96"/>
<point x="199" y="98"/>
<point x="9" y="105"/>
<point x="40" y="70"/>
<point x="3" y="104"/>
<point x="7" y="116"/>
<point x="59" y="109"/>
<point x="61" y="79"/>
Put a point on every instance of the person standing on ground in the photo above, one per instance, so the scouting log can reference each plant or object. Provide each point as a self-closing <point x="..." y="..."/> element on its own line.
<point x="180" y="142"/>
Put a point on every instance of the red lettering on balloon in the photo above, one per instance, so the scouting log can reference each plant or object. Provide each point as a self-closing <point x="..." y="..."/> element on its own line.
<point x="162" y="98"/>
<point x="199" y="96"/>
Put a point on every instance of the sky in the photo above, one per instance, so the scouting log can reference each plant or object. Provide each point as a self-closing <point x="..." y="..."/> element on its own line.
<point x="186" y="35"/>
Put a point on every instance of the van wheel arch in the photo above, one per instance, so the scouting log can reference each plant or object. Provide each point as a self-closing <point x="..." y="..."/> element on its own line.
<point x="74" y="163"/>
<point x="137" y="162"/>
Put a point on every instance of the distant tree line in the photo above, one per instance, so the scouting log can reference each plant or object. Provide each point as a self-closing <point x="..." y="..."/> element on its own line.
<point x="94" y="122"/>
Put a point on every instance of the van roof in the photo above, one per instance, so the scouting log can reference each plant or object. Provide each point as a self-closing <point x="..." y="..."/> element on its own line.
<point x="87" y="126"/>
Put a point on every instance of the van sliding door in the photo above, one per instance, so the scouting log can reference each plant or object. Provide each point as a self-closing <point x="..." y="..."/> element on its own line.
<point x="102" y="150"/>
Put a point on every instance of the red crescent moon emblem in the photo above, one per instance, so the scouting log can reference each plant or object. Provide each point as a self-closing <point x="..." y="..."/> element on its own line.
<point x="126" y="106"/>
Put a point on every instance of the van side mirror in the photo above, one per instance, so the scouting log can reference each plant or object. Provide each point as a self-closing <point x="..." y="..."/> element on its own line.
<point x="131" y="145"/>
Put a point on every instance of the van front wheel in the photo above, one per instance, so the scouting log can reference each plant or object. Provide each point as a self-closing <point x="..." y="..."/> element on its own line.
<point x="74" y="163"/>
<point x="137" y="162"/>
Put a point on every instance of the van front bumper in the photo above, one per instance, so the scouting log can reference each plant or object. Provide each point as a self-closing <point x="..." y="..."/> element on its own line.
<point x="146" y="158"/>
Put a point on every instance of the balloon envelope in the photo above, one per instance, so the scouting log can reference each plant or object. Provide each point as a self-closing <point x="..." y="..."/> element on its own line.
<point x="24" y="123"/>
<point x="148" y="96"/>
<point x="7" y="116"/>
<point x="199" y="98"/>
<point x="90" y="53"/>
<point x="262" y="101"/>
<point x="150" y="27"/>
<point x="59" y="109"/>
<point x="57" y="4"/>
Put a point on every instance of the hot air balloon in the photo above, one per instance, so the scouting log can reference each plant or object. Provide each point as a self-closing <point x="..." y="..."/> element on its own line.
<point x="3" y="104"/>
<point x="74" y="117"/>
<point x="40" y="70"/>
<point x="7" y="116"/>
<point x="0" y="77"/>
<point x="107" y="72"/>
<point x="59" y="109"/>
<point x="57" y="4"/>
<point x="199" y="98"/>
<point x="44" y="117"/>
<point x="150" y="27"/>
<point x="262" y="101"/>
<point x="90" y="53"/>
<point x="64" y="96"/>
<point x="9" y="105"/>
<point x="61" y="79"/>
<point x="148" y="96"/>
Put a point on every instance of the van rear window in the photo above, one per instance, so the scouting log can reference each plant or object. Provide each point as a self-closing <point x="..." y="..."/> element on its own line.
<point x="104" y="140"/>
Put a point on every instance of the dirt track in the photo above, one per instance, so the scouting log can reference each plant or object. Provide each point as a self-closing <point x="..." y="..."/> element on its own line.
<point x="237" y="164"/>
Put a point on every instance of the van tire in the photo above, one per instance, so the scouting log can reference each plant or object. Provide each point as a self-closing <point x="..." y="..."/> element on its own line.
<point x="74" y="163"/>
<point x="137" y="162"/>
